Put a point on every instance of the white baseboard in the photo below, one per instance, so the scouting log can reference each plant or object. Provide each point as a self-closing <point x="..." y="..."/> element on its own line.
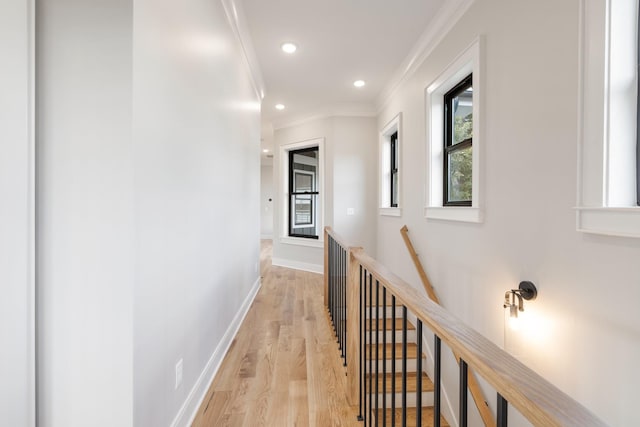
<point x="297" y="265"/>
<point x="189" y="409"/>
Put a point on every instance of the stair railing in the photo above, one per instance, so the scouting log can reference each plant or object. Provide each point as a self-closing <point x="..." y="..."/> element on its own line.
<point x="358" y="289"/>
<point x="336" y="262"/>
<point x="474" y="387"/>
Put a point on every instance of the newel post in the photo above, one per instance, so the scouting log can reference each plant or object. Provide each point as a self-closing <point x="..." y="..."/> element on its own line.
<point x="353" y="327"/>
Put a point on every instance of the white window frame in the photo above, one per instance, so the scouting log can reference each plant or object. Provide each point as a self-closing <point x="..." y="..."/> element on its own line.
<point x="284" y="180"/>
<point x="468" y="62"/>
<point x="606" y="198"/>
<point x="395" y="125"/>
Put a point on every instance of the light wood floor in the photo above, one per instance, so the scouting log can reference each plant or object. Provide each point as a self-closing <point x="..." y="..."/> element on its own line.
<point x="283" y="368"/>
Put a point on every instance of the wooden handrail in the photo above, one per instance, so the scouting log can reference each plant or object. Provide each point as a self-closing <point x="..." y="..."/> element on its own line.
<point x="414" y="257"/>
<point x="474" y="387"/>
<point x="538" y="400"/>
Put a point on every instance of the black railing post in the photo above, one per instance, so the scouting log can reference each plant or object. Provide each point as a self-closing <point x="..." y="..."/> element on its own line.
<point x="436" y="383"/>
<point x="503" y="408"/>
<point x="384" y="357"/>
<point x="339" y="298"/>
<point x="364" y="349"/>
<point x="344" y="309"/>
<point x="463" y="392"/>
<point x="330" y="255"/>
<point x="377" y="349"/>
<point x="370" y="375"/>
<point x="404" y="365"/>
<point x="333" y="284"/>
<point x="393" y="360"/>
<point x="419" y="374"/>
<point x="360" y="373"/>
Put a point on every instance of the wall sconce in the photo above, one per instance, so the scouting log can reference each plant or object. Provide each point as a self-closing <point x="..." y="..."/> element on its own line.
<point x="513" y="299"/>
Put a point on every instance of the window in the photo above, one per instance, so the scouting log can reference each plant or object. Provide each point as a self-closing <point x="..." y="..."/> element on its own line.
<point x="607" y="197"/>
<point x="394" y="169"/>
<point x="390" y="189"/>
<point x="303" y="192"/>
<point x="458" y="141"/>
<point x="454" y="139"/>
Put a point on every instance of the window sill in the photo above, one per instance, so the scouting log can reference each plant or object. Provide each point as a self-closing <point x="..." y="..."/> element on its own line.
<point x="390" y="211"/>
<point x="622" y="222"/>
<point x="454" y="213"/>
<point x="301" y="241"/>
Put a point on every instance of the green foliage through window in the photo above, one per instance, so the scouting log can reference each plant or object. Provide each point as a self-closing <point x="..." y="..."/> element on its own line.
<point x="458" y="142"/>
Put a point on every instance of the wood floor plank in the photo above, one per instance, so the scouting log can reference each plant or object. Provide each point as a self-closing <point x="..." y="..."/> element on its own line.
<point x="284" y="367"/>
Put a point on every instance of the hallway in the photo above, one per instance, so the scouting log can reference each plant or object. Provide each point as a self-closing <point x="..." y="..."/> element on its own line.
<point x="283" y="368"/>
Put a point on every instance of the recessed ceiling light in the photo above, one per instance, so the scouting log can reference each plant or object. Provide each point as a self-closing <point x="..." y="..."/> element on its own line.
<point x="359" y="83"/>
<point x="288" y="47"/>
<point x="279" y="107"/>
<point x="265" y="151"/>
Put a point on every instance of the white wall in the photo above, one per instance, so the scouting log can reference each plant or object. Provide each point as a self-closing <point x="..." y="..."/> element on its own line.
<point x="355" y="179"/>
<point x="197" y="178"/>
<point x="149" y="198"/>
<point x="584" y="329"/>
<point x="349" y="180"/>
<point x="85" y="213"/>
<point x="266" y="201"/>
<point x="17" y="315"/>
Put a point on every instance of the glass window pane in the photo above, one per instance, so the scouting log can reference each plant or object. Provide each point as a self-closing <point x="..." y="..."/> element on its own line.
<point x="394" y="189"/>
<point x="462" y="107"/>
<point x="303" y="182"/>
<point x="459" y="180"/>
<point x="302" y="210"/>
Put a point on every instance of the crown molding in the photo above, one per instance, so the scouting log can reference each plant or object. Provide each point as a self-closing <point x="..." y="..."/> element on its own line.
<point x="446" y="17"/>
<point x="238" y="23"/>
<point x="301" y="121"/>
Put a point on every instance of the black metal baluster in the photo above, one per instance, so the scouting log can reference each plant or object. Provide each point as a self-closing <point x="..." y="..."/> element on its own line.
<point x="360" y="377"/>
<point x="463" y="392"/>
<point x="334" y="295"/>
<point x="329" y="277"/>
<point x="436" y="382"/>
<point x="419" y="374"/>
<point x="332" y="284"/>
<point x="339" y="299"/>
<point x="404" y="365"/>
<point x="384" y="357"/>
<point x="393" y="361"/>
<point x="365" y="352"/>
<point x="343" y="320"/>
<point x="344" y="309"/>
<point x="377" y="349"/>
<point x="503" y="407"/>
<point x="337" y="308"/>
<point x="342" y="302"/>
<point x="370" y="347"/>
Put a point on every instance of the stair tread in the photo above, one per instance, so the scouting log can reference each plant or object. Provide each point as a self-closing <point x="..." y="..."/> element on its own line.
<point x="412" y="382"/>
<point x="427" y="417"/>
<point x="389" y="325"/>
<point x="412" y="350"/>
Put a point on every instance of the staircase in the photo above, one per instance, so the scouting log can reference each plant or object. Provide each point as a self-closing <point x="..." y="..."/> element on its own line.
<point x="389" y="385"/>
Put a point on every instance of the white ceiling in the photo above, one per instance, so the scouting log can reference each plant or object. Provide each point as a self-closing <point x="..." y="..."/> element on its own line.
<point x="339" y="41"/>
